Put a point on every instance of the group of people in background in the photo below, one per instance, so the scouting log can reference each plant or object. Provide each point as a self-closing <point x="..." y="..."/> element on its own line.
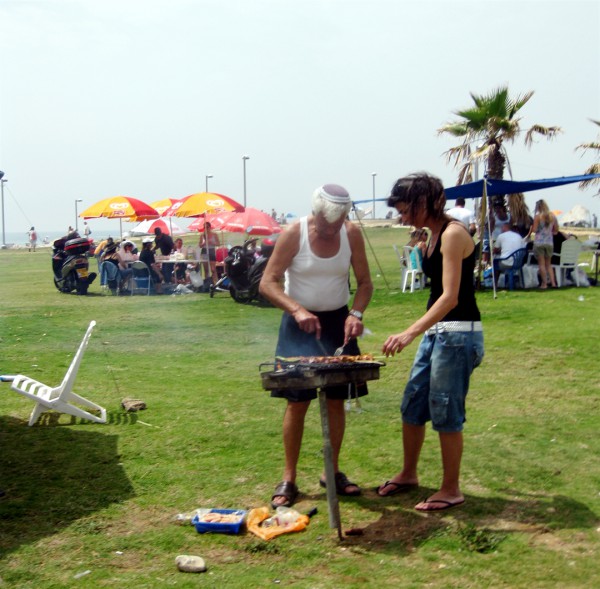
<point x="32" y="236"/>
<point x="512" y="227"/>
<point x="162" y="272"/>
<point x="279" y="217"/>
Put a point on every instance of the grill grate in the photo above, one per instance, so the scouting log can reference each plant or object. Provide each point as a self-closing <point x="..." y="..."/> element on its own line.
<point x="316" y="375"/>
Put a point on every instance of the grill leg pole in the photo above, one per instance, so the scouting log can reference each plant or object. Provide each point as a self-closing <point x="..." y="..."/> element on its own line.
<point x="332" y="499"/>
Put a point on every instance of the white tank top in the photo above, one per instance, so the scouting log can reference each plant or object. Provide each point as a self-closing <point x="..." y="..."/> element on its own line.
<point x="319" y="284"/>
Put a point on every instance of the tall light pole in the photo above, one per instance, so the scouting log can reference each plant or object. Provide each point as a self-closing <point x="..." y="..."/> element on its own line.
<point x="244" y="158"/>
<point x="373" y="174"/>
<point x="206" y="181"/>
<point x="2" y="181"/>
<point x="76" y="218"/>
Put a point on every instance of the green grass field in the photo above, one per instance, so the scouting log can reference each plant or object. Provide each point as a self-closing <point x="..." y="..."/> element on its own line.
<point x="101" y="498"/>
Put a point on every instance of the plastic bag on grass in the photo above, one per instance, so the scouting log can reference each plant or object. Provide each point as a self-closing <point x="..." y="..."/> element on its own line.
<point x="284" y="521"/>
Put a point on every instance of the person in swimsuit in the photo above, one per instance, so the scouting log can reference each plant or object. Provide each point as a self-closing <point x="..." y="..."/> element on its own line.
<point x="451" y="346"/>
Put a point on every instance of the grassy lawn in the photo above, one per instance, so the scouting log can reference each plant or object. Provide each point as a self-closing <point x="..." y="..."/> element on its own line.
<point x="102" y="498"/>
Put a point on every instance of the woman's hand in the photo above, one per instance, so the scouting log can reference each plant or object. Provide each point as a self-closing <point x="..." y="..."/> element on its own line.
<point x="396" y="343"/>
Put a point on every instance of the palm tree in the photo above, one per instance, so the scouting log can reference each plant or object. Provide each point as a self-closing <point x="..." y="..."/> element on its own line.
<point x="595" y="167"/>
<point x="485" y="128"/>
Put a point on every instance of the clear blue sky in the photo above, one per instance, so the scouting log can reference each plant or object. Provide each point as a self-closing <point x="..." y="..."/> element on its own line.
<point x="145" y="98"/>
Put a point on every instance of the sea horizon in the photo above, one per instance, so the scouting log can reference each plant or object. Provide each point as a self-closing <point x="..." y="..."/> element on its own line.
<point x="21" y="239"/>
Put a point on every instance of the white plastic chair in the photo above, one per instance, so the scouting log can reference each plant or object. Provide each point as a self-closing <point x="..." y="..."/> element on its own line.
<point x="569" y="257"/>
<point x="401" y="262"/>
<point x="61" y="398"/>
<point x="414" y="271"/>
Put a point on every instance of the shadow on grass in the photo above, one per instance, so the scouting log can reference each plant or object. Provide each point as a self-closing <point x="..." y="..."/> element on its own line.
<point x="54" y="476"/>
<point x="401" y="529"/>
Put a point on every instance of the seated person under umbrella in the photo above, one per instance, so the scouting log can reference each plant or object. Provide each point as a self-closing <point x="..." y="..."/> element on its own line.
<point x="147" y="256"/>
<point x="126" y="256"/>
<point x="109" y="256"/>
<point x="180" y="269"/>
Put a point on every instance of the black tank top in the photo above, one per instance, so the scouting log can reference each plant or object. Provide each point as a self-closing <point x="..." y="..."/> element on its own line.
<point x="466" y="309"/>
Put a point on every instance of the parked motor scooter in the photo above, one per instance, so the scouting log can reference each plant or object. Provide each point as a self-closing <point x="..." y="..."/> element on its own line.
<point x="244" y="268"/>
<point x="70" y="264"/>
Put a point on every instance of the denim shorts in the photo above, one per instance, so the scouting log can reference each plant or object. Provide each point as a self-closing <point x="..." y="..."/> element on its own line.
<point x="295" y="342"/>
<point x="439" y="380"/>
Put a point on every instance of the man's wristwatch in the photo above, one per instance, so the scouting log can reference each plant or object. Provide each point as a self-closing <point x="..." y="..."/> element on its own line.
<point x="356" y="314"/>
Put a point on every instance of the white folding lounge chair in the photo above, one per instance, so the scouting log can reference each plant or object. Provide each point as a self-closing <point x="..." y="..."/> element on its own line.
<point x="60" y="398"/>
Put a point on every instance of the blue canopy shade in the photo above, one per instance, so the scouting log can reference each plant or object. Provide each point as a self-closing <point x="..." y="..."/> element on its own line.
<point x="495" y="187"/>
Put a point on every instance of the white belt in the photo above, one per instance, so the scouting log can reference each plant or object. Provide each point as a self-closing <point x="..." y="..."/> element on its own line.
<point x="454" y="326"/>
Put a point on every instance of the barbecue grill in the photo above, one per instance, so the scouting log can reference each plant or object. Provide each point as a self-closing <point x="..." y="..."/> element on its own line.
<point x="315" y="375"/>
<point x="299" y="373"/>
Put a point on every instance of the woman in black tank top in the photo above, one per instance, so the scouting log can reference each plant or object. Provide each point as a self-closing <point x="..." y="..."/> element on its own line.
<point x="451" y="346"/>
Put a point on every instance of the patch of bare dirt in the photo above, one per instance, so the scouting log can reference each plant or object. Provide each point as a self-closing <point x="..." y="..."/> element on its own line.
<point x="404" y="528"/>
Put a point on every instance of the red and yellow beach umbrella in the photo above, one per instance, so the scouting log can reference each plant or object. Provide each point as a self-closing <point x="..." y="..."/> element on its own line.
<point x="122" y="208"/>
<point x="202" y="203"/>
<point x="250" y="221"/>
<point x="163" y="204"/>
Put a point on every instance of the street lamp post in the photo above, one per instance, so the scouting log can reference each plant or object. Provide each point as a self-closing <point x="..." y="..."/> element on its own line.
<point x="76" y="218"/>
<point x="373" y="174"/>
<point x="206" y="181"/>
<point x="244" y="158"/>
<point x="2" y="181"/>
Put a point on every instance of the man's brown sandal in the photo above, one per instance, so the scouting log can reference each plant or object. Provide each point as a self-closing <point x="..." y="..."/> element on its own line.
<point x="288" y="491"/>
<point x="341" y="484"/>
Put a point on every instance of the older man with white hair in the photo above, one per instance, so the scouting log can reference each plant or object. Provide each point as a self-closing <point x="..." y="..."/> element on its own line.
<point x="315" y="255"/>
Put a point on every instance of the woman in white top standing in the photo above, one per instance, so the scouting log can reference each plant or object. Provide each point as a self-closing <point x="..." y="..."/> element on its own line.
<point x="315" y="256"/>
<point x="545" y="227"/>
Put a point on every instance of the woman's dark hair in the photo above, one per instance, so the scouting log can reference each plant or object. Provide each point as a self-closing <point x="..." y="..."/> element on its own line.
<point x="419" y="191"/>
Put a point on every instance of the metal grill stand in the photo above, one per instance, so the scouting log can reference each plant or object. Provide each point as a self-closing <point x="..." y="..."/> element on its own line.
<point x="313" y="376"/>
<point x="332" y="499"/>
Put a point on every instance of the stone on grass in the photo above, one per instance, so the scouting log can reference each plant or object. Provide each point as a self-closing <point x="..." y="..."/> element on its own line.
<point x="190" y="564"/>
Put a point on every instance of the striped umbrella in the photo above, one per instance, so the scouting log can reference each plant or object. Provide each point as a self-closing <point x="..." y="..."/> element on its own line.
<point x="120" y="207"/>
<point x="202" y="203"/>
